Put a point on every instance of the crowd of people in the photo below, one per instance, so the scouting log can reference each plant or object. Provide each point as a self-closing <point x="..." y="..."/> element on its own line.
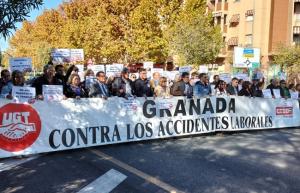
<point x="129" y="85"/>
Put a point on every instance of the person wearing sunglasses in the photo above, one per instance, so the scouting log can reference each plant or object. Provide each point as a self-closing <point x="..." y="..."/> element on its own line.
<point x="284" y="90"/>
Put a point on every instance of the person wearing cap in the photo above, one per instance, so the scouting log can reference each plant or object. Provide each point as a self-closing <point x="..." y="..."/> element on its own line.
<point x="123" y="86"/>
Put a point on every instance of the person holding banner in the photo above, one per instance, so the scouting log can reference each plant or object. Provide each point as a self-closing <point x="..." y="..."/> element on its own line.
<point x="155" y="80"/>
<point x="142" y="85"/>
<point x="220" y="88"/>
<point x="122" y="86"/>
<point x="73" y="88"/>
<point x="5" y="83"/>
<point x="246" y="89"/>
<point x="162" y="90"/>
<point x="99" y="89"/>
<point x="202" y="88"/>
<point x="17" y="80"/>
<point x="284" y="90"/>
<point x="48" y="78"/>
<point x="274" y="85"/>
<point x="232" y="88"/>
<point x="183" y="87"/>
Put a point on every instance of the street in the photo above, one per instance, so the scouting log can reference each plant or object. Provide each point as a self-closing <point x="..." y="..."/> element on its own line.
<point x="249" y="162"/>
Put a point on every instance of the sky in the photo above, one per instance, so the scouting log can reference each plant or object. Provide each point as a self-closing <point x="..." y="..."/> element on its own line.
<point x="48" y="4"/>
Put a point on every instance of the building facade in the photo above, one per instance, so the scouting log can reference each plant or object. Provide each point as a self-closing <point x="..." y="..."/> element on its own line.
<point x="260" y="24"/>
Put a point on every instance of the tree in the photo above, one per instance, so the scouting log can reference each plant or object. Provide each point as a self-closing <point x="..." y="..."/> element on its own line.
<point x="13" y="11"/>
<point x="192" y="36"/>
<point x="288" y="57"/>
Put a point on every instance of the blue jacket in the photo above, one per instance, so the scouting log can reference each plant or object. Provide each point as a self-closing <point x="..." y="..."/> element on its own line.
<point x="201" y="90"/>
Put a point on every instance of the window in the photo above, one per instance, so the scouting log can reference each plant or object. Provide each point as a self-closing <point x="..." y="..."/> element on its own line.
<point x="296" y="39"/>
<point x="225" y="19"/>
<point x="218" y="20"/>
<point x="297" y="8"/>
<point x="249" y="40"/>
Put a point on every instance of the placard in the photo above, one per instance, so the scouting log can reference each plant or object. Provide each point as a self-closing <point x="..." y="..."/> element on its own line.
<point x="97" y="68"/>
<point x="203" y="69"/>
<point x="225" y="77"/>
<point x="148" y="65"/>
<point x="89" y="81"/>
<point x="53" y="92"/>
<point x="267" y="93"/>
<point x="277" y="94"/>
<point x="76" y="55"/>
<point x="185" y="69"/>
<point x="23" y="94"/>
<point x="21" y="64"/>
<point x="114" y="69"/>
<point x="294" y="95"/>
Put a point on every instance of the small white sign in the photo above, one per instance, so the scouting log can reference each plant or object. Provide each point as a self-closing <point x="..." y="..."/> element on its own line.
<point x="242" y="76"/>
<point x="226" y="77"/>
<point x="159" y="70"/>
<point x="185" y="69"/>
<point x="89" y="81"/>
<point x="97" y="68"/>
<point x="277" y="93"/>
<point x="77" y="55"/>
<point x="23" y="94"/>
<point x="53" y="92"/>
<point x="114" y="69"/>
<point x="148" y="65"/>
<point x="295" y="95"/>
<point x="21" y="64"/>
<point x="203" y="69"/>
<point x="267" y="93"/>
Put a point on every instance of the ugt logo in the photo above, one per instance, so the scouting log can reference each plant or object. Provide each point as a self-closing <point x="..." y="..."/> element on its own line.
<point x="20" y="127"/>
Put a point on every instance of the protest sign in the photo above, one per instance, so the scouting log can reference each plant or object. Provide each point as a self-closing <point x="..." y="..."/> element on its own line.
<point x="60" y="56"/>
<point x="267" y="93"/>
<point x="76" y="55"/>
<point x="277" y="94"/>
<point x="185" y="69"/>
<point x="53" y="92"/>
<point x="203" y="69"/>
<point x="159" y="70"/>
<point x="23" y="94"/>
<point x="294" y="95"/>
<point x="21" y="64"/>
<point x="97" y="68"/>
<point x="226" y="77"/>
<point x="242" y="76"/>
<point x="114" y="69"/>
<point x="89" y="81"/>
<point x="148" y="65"/>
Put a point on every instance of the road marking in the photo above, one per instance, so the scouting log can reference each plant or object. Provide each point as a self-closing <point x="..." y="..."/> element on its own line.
<point x="137" y="172"/>
<point x="106" y="183"/>
<point x="10" y="163"/>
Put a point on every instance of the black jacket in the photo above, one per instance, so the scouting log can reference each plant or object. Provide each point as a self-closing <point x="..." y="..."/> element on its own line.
<point x="142" y="88"/>
<point x="120" y="83"/>
<point x="42" y="80"/>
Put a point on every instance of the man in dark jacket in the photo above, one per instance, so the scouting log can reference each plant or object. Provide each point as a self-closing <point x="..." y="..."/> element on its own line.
<point x="274" y="85"/>
<point x="183" y="87"/>
<point x="142" y="85"/>
<point x="99" y="89"/>
<point x="232" y="88"/>
<point x="48" y="78"/>
<point x="123" y="86"/>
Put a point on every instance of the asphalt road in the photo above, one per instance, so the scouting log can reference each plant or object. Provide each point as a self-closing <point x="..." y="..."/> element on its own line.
<point x="256" y="162"/>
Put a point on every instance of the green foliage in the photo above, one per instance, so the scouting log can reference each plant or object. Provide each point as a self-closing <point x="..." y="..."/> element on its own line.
<point x="193" y="37"/>
<point x="121" y="31"/>
<point x="13" y="11"/>
<point x="288" y="57"/>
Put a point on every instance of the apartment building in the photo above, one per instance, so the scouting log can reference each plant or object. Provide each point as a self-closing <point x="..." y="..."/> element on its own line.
<point x="260" y="24"/>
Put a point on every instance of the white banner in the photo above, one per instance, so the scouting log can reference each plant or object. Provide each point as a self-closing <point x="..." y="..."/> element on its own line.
<point x="21" y="64"/>
<point x="71" y="124"/>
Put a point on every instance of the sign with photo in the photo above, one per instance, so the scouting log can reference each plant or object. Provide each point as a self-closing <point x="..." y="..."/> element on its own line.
<point x="53" y="92"/>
